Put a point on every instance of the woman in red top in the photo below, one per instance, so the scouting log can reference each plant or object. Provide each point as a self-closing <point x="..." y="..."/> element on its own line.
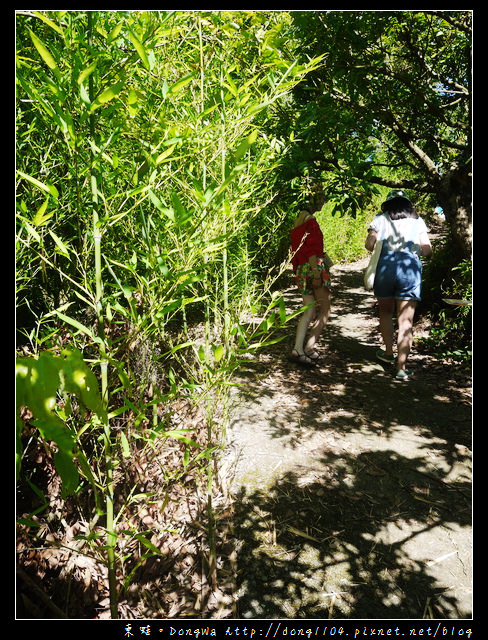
<point x="313" y="282"/>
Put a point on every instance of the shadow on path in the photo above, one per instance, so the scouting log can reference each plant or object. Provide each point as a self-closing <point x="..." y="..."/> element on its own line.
<point x="352" y="491"/>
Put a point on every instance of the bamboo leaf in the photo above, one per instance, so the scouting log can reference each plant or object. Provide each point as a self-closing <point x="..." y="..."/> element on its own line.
<point x="140" y="49"/>
<point x="63" y="461"/>
<point x="179" y="436"/>
<point x="115" y="32"/>
<point x="300" y="533"/>
<point x="86" y="72"/>
<point x="182" y="215"/>
<point x="165" y="154"/>
<point x="77" y="325"/>
<point x="107" y="95"/>
<point x="30" y="230"/>
<point x="155" y="200"/>
<point x="125" y="445"/>
<point x="206" y="453"/>
<point x="180" y="84"/>
<point x="245" y="144"/>
<point x="132" y="98"/>
<point x="186" y="458"/>
<point x="147" y="543"/>
<point x="44" y="53"/>
<point x="84" y="95"/>
<point x="178" y="347"/>
<point x="168" y="308"/>
<point x="133" y="102"/>
<point x="60" y="244"/>
<point x="159" y="205"/>
<point x="218" y="352"/>
<point x="47" y="188"/>
<point x="50" y="23"/>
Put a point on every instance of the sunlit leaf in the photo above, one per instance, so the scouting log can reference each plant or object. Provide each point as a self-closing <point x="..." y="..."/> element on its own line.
<point x="218" y="352"/>
<point x="77" y="325"/>
<point x="47" y="188"/>
<point x="179" y="435"/>
<point x="107" y="95"/>
<point x="86" y="72"/>
<point x="49" y="22"/>
<point x="246" y="144"/>
<point x="140" y="49"/>
<point x="125" y="445"/>
<point x="178" y="86"/>
<point x="44" y="52"/>
<point x="165" y="154"/>
<point x="59" y="244"/>
<point x="115" y="32"/>
<point x="30" y="230"/>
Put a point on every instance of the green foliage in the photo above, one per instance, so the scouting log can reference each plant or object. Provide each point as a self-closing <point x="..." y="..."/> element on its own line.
<point x="39" y="381"/>
<point x="190" y="169"/>
<point x="386" y="71"/>
<point x="143" y="168"/>
<point x="451" y="333"/>
<point x="344" y="236"/>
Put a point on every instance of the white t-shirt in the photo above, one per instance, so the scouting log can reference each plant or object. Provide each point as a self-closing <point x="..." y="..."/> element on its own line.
<point x="399" y="235"/>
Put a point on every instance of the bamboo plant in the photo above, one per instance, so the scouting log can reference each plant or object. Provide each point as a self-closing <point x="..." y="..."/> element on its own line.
<point x="143" y="165"/>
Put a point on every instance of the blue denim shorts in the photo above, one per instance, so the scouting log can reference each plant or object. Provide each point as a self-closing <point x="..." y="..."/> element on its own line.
<point x="398" y="275"/>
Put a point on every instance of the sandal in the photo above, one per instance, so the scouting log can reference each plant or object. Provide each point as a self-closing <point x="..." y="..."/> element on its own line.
<point x="313" y="355"/>
<point x="301" y="358"/>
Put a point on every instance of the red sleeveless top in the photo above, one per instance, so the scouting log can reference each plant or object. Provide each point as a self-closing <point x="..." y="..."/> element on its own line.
<point x="310" y="237"/>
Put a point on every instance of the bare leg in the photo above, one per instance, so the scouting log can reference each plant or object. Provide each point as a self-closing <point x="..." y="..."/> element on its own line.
<point x="322" y="296"/>
<point x="405" y="315"/>
<point x="387" y="308"/>
<point x="303" y="323"/>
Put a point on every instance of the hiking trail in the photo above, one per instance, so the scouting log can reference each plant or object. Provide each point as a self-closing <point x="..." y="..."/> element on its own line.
<point x="351" y="491"/>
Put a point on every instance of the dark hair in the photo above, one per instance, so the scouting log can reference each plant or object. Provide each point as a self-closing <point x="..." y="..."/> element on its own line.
<point x="398" y="208"/>
<point x="305" y="205"/>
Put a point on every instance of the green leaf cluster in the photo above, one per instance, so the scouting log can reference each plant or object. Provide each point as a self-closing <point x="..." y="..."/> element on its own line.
<point x="40" y="383"/>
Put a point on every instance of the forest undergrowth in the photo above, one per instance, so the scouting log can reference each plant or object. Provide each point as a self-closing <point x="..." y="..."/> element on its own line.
<point x="165" y="557"/>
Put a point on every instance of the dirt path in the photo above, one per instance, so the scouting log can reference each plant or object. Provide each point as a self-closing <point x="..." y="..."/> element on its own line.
<point x="353" y="491"/>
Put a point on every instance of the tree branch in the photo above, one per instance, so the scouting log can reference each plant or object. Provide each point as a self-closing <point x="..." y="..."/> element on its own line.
<point x="412" y="185"/>
<point x="448" y="18"/>
<point x="406" y="139"/>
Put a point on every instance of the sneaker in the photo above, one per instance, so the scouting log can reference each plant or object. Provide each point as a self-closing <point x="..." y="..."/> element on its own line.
<point x="403" y="374"/>
<point x="381" y="355"/>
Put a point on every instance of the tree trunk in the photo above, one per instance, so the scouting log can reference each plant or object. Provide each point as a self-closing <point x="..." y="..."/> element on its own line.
<point x="454" y="196"/>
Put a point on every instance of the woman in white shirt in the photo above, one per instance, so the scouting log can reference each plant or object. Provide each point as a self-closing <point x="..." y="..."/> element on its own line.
<point x="398" y="277"/>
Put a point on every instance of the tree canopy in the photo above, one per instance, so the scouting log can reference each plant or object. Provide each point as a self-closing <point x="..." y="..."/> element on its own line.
<point x="389" y="105"/>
